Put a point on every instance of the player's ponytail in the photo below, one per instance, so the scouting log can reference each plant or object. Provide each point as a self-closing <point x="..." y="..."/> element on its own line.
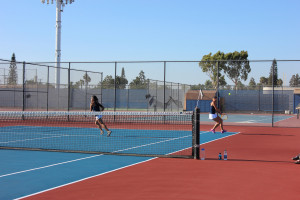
<point x="95" y="98"/>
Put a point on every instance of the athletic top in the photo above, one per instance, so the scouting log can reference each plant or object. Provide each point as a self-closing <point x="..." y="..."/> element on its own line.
<point x="212" y="110"/>
<point x="96" y="108"/>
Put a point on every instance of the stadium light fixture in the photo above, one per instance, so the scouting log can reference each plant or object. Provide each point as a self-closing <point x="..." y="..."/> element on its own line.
<point x="59" y="8"/>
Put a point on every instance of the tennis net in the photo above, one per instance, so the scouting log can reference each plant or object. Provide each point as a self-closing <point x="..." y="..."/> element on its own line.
<point x="157" y="134"/>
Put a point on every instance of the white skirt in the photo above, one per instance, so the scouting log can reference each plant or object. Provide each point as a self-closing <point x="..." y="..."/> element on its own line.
<point x="212" y="116"/>
<point x="98" y="117"/>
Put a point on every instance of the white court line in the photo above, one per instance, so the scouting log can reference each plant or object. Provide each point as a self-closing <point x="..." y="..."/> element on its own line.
<point x="283" y="119"/>
<point x="152" y="143"/>
<point x="84" y="179"/>
<point x="220" y="138"/>
<point x="30" y="139"/>
<point x="266" y="119"/>
<point x="187" y="147"/>
<point x="52" y="136"/>
<point x="48" y="166"/>
<point x="96" y="174"/>
<point x="90" y="157"/>
<point x="113" y="152"/>
<point x="250" y="121"/>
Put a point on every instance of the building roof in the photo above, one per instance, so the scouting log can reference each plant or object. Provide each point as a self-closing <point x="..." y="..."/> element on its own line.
<point x="194" y="94"/>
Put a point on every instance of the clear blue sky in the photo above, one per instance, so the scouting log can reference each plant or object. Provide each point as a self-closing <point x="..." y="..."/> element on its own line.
<point x="125" y="30"/>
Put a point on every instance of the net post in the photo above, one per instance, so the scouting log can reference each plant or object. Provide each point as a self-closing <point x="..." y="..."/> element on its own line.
<point x="196" y="134"/>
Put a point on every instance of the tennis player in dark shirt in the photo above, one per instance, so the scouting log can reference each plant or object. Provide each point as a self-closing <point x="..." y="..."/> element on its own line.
<point x="213" y="114"/>
<point x="95" y="106"/>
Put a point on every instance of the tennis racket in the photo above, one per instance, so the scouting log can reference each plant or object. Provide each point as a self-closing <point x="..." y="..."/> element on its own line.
<point x="199" y="96"/>
<point x="224" y="116"/>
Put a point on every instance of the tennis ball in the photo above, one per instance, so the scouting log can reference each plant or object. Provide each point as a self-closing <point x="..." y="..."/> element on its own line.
<point x="229" y="93"/>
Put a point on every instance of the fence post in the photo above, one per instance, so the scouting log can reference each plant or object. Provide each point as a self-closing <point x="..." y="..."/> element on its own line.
<point x="115" y="86"/>
<point x="86" y="88"/>
<point x="178" y="96"/>
<point x="128" y="93"/>
<point x="24" y="96"/>
<point x="259" y="97"/>
<point x="171" y="96"/>
<point x="164" y="86"/>
<point x="155" y="105"/>
<point x="69" y="86"/>
<point x="101" y="91"/>
<point x="47" y="91"/>
<point x="272" y="95"/>
<point x="148" y="92"/>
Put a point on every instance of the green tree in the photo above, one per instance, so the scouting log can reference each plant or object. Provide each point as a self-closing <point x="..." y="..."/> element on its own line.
<point x="140" y="82"/>
<point x="295" y="80"/>
<point x="31" y="82"/>
<point x="237" y="66"/>
<point x="209" y="85"/>
<point x="13" y="74"/>
<point x="78" y="84"/>
<point x="210" y="66"/>
<point x="197" y="87"/>
<point x="279" y="82"/>
<point x="121" y="81"/>
<point x="108" y="82"/>
<point x="252" y="83"/>
<point x="275" y="78"/>
<point x="240" y="86"/>
<point x="123" y="73"/>
<point x="263" y="81"/>
<point x="86" y="79"/>
<point x="74" y="86"/>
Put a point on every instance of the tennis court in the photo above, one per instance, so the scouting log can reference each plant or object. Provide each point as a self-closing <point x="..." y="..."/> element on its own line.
<point x="84" y="139"/>
<point x="257" y="157"/>
<point x="41" y="171"/>
<point x="46" y="153"/>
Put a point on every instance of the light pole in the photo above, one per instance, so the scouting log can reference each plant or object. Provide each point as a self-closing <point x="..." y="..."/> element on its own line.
<point x="59" y="8"/>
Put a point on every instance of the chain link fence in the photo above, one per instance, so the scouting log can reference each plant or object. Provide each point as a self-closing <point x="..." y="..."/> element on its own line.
<point x="268" y="89"/>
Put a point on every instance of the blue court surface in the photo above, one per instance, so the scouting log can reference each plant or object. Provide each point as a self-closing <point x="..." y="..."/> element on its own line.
<point x="132" y="141"/>
<point x="24" y="173"/>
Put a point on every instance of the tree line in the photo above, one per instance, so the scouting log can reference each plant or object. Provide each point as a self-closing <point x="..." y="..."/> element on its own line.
<point x="235" y="66"/>
<point x="140" y="82"/>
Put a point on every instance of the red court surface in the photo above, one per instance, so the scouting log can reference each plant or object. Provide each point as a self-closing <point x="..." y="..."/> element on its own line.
<point x="259" y="167"/>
